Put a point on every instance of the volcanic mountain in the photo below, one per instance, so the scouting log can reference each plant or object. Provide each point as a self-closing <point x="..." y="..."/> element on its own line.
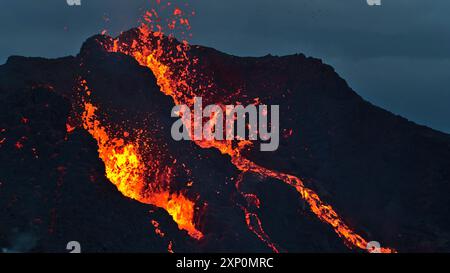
<point x="87" y="156"/>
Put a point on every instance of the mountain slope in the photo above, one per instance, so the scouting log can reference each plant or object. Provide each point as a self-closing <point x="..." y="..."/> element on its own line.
<point x="387" y="177"/>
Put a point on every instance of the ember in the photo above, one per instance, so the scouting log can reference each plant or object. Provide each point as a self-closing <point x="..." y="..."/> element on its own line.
<point x="174" y="70"/>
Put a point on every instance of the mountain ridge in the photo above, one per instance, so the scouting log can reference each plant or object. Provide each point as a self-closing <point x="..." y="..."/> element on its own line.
<point x="338" y="139"/>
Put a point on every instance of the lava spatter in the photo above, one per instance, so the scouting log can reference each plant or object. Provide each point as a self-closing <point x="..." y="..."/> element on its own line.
<point x="125" y="168"/>
<point x="151" y="50"/>
<point x="178" y="77"/>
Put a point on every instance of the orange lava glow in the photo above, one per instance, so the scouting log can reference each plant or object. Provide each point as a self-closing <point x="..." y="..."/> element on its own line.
<point x="170" y="247"/>
<point x="150" y="57"/>
<point x="322" y="210"/>
<point x="124" y="167"/>
<point x="126" y="171"/>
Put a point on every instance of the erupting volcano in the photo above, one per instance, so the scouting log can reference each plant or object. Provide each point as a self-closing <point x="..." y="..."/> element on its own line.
<point x="336" y="183"/>
<point x="151" y="50"/>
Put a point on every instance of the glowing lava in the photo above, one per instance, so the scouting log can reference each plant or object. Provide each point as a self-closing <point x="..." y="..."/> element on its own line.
<point x="124" y="167"/>
<point x="176" y="76"/>
<point x="149" y="51"/>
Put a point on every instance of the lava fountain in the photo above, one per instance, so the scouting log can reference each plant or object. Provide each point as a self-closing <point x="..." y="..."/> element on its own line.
<point x="177" y="77"/>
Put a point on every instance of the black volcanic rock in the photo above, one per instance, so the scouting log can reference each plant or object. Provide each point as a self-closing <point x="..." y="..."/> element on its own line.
<point x="53" y="190"/>
<point x="386" y="176"/>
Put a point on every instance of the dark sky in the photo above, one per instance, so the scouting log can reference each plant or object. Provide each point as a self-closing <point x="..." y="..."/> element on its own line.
<point x="396" y="55"/>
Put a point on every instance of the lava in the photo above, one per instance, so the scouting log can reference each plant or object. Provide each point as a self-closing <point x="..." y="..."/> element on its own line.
<point x="125" y="168"/>
<point x="150" y="51"/>
<point x="177" y="77"/>
<point x="157" y="228"/>
<point x="252" y="219"/>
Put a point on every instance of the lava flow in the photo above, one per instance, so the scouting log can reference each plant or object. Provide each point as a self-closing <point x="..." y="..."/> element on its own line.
<point x="125" y="168"/>
<point x="178" y="78"/>
<point x="151" y="51"/>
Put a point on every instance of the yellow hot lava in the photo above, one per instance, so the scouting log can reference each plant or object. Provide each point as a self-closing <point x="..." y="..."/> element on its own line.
<point x="159" y="62"/>
<point x="125" y="169"/>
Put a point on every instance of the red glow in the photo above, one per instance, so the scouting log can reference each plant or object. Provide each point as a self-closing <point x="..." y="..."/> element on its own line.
<point x="174" y="72"/>
<point x="125" y="168"/>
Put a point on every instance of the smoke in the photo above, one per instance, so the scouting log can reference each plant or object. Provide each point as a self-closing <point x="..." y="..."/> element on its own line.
<point x="21" y="242"/>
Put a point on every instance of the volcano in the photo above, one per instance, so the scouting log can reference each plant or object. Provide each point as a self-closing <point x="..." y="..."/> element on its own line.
<point x="87" y="156"/>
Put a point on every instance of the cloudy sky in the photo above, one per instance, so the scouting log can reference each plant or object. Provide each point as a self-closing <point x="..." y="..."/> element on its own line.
<point x="396" y="55"/>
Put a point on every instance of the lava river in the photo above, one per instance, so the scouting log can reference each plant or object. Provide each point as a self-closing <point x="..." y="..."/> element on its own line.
<point x="177" y="76"/>
<point x="175" y="73"/>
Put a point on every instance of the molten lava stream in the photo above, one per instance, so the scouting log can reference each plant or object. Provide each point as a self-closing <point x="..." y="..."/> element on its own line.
<point x="158" y="59"/>
<point x="252" y="219"/>
<point x="322" y="210"/>
<point x="125" y="168"/>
